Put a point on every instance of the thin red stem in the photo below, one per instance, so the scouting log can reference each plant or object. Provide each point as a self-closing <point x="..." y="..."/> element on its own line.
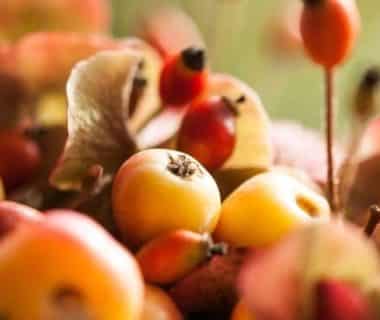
<point x="330" y="117"/>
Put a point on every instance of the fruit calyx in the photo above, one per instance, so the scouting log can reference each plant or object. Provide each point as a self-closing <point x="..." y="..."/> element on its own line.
<point x="371" y="79"/>
<point x="312" y="3"/>
<point x="374" y="219"/>
<point x="183" y="166"/>
<point x="233" y="105"/>
<point x="215" y="249"/>
<point x="69" y="303"/>
<point x="194" y="58"/>
<point x="364" y="106"/>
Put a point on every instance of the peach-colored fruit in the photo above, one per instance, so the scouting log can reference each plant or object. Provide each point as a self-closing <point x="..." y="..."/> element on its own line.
<point x="160" y="190"/>
<point x="18" y="17"/>
<point x="159" y="306"/>
<point x="284" y="32"/>
<point x="45" y="59"/>
<point x="65" y="266"/>
<point x="172" y="256"/>
<point x="266" y="208"/>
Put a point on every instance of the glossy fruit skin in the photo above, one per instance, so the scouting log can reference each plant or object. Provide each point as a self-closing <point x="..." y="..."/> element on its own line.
<point x="179" y="85"/>
<point x="148" y="199"/>
<point x="20" y="158"/>
<point x="266" y="208"/>
<point x="337" y="300"/>
<point x="208" y="132"/>
<point x="172" y="256"/>
<point x="329" y="29"/>
<point x="75" y="258"/>
<point x="241" y="312"/>
<point x="158" y="305"/>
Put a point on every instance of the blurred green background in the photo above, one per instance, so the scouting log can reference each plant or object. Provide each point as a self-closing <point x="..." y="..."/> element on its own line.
<point x="235" y="31"/>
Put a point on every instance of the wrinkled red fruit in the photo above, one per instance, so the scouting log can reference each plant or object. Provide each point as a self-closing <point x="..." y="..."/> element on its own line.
<point x="19" y="158"/>
<point x="208" y="131"/>
<point x="211" y="288"/>
<point x="336" y="300"/>
<point x="183" y="77"/>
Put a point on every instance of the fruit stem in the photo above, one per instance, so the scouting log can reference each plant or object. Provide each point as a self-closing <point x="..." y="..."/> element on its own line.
<point x="233" y="105"/>
<point x="330" y="117"/>
<point x="374" y="219"/>
<point x="241" y="99"/>
<point x="220" y="249"/>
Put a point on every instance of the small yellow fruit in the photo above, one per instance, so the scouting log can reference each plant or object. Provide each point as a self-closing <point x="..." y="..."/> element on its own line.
<point x="266" y="208"/>
<point x="241" y="312"/>
<point x="160" y="190"/>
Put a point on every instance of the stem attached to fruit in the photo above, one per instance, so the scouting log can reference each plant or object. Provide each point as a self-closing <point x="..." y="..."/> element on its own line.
<point x="330" y="117"/>
<point x="374" y="219"/>
<point x="220" y="249"/>
<point x="233" y="105"/>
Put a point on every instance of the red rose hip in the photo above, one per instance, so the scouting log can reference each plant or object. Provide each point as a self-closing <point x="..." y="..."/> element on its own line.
<point x="329" y="30"/>
<point x="183" y="77"/>
<point x="208" y="131"/>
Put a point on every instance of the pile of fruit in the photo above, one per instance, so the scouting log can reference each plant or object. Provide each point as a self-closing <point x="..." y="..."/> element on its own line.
<point x="138" y="184"/>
